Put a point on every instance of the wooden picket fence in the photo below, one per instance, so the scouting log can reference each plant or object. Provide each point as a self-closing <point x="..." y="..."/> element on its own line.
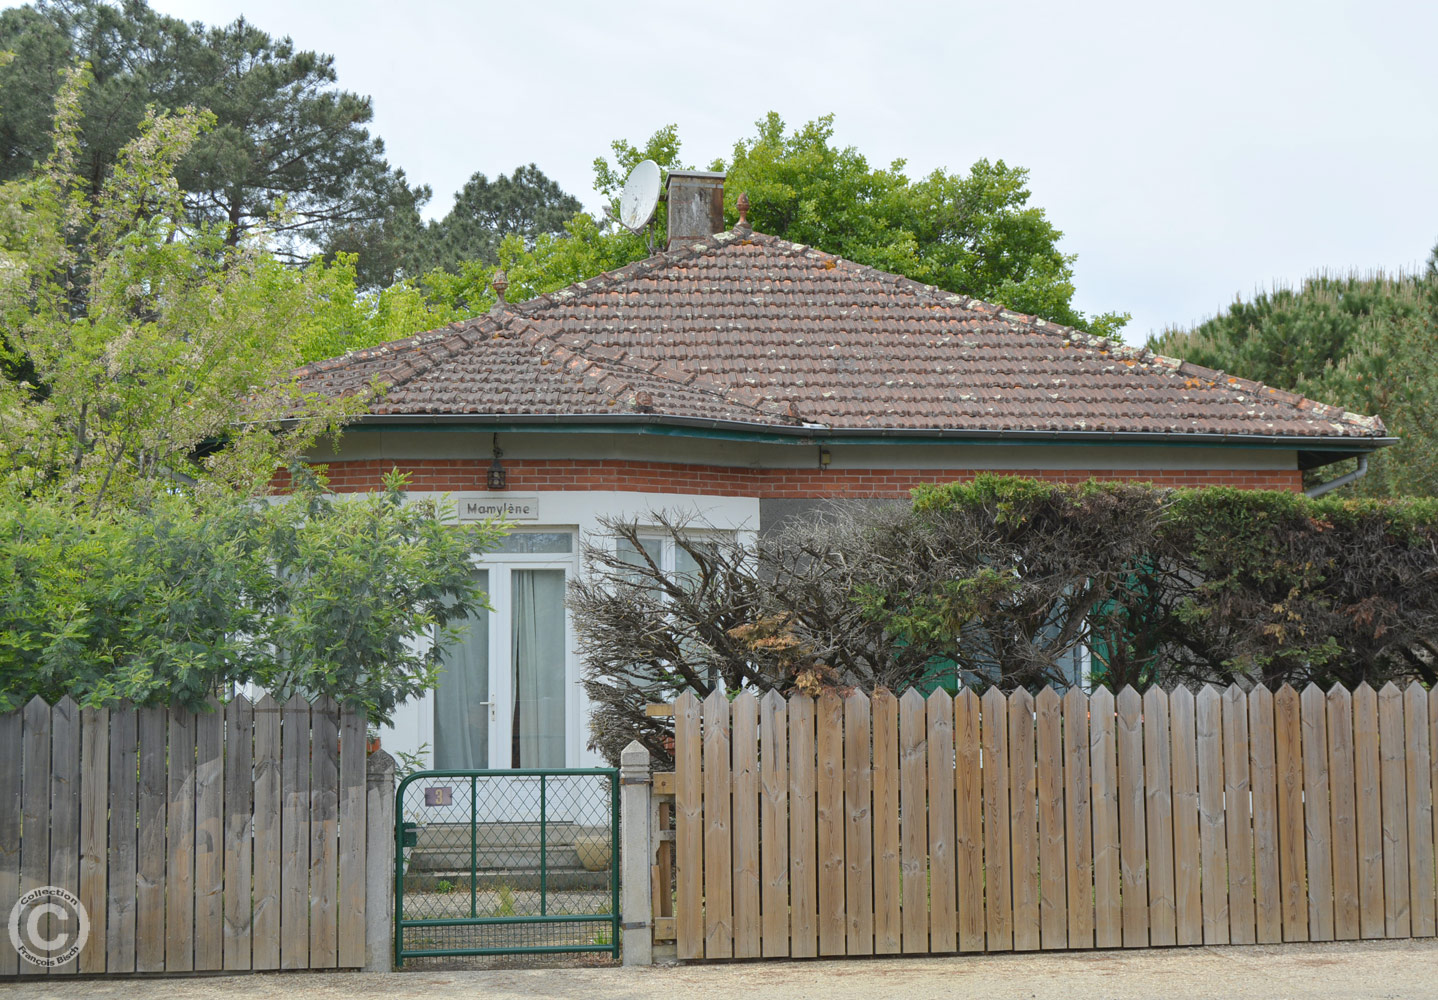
<point x="858" y="825"/>
<point x="232" y="839"/>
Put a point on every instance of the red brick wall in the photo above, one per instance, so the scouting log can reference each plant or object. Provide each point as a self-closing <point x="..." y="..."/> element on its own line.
<point x="547" y="475"/>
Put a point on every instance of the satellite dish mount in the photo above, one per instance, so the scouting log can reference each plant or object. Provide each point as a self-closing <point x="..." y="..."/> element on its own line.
<point x="639" y="199"/>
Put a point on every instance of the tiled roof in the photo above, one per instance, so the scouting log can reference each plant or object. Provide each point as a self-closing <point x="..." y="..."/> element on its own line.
<point x="751" y="329"/>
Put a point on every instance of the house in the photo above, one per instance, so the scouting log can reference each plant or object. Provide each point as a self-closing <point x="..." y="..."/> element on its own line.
<point x="744" y="379"/>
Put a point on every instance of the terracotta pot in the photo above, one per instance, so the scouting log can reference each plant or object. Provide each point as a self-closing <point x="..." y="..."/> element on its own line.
<point x="371" y="744"/>
<point x="593" y="850"/>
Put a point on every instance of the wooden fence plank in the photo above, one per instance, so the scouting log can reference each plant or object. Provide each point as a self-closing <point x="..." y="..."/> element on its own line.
<point x="123" y="793"/>
<point x="210" y="838"/>
<point x="1432" y="726"/>
<point x="324" y="834"/>
<point x="689" y="829"/>
<point x="1342" y="814"/>
<point x="1187" y="894"/>
<point x="351" y="900"/>
<point x="1263" y="780"/>
<point x="858" y="827"/>
<point x="969" y="820"/>
<point x="295" y="750"/>
<point x="152" y="808"/>
<point x="1397" y="917"/>
<point x="803" y="860"/>
<point x="774" y="825"/>
<point x="1078" y="819"/>
<point x="1132" y="824"/>
<point x="998" y="886"/>
<point x="94" y="833"/>
<point x="1368" y="788"/>
<point x="35" y="805"/>
<point x="1418" y="761"/>
<point x="943" y="874"/>
<point x="1318" y="844"/>
<point x="1053" y="860"/>
<point x="1292" y="857"/>
<point x="180" y="845"/>
<point x="239" y="831"/>
<point x="350" y="904"/>
<point x="65" y="804"/>
<point x="1023" y="821"/>
<point x="1158" y="809"/>
<point x="913" y="822"/>
<point x="745" y="746"/>
<point x="12" y="750"/>
<point x="1238" y="819"/>
<point x="268" y="800"/>
<point x="829" y="741"/>
<point x="718" y="852"/>
<point x="1103" y="764"/>
<point x="1213" y="856"/>
<point x="888" y="928"/>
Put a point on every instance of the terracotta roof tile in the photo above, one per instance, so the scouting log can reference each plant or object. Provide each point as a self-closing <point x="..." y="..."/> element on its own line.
<point x="751" y="329"/>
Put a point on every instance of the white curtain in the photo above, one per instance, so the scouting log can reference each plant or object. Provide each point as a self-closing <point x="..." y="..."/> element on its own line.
<point x="461" y="703"/>
<point x="538" y="668"/>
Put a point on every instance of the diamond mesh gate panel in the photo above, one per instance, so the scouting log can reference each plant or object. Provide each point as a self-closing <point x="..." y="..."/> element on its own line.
<point x="506" y="862"/>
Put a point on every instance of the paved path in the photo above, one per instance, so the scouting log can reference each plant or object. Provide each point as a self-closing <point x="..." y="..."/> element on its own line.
<point x="1403" y="969"/>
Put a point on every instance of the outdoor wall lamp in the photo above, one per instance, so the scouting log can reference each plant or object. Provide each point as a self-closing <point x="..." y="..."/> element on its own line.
<point x="497" y="479"/>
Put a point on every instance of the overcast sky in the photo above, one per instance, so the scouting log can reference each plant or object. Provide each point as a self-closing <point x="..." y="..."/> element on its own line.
<point x="1187" y="151"/>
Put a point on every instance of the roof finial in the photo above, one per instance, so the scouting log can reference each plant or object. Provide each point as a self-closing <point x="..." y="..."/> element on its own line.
<point x="499" y="283"/>
<point x="743" y="205"/>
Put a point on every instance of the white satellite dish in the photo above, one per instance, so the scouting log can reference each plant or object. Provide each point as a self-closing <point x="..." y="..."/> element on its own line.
<point x="640" y="196"/>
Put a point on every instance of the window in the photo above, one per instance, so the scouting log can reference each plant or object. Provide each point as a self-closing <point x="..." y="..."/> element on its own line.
<point x="673" y="560"/>
<point x="532" y="542"/>
<point x="676" y="562"/>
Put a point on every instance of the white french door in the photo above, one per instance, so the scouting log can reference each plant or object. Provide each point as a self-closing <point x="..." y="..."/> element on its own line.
<point x="507" y="696"/>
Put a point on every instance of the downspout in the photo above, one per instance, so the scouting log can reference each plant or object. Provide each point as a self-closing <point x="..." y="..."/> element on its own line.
<point x="1343" y="480"/>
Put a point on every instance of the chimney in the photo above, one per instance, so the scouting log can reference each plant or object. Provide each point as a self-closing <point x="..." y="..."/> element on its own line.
<point x="696" y="206"/>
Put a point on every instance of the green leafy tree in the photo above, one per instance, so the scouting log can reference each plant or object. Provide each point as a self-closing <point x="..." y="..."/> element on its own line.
<point x="136" y="559"/>
<point x="662" y="147"/>
<point x="1363" y="342"/>
<point x="586" y="248"/>
<point x="972" y="233"/>
<point x="160" y="353"/>
<point x="182" y="598"/>
<point x="975" y="233"/>
<point x="283" y="131"/>
<point x="344" y="317"/>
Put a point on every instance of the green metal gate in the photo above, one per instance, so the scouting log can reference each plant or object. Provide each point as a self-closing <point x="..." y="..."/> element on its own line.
<point x="506" y="862"/>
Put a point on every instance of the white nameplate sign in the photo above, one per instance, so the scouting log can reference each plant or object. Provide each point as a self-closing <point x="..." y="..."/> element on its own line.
<point x="479" y="506"/>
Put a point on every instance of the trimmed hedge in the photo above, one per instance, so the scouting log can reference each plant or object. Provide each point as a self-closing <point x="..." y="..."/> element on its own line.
<point x="1219" y="584"/>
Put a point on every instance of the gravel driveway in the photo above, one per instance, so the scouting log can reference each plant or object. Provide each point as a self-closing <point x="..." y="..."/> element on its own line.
<point x="1381" y="969"/>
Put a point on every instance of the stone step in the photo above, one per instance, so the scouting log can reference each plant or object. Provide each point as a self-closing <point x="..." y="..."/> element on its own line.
<point x="505" y="835"/>
<point x="526" y="879"/>
<point x="457" y="857"/>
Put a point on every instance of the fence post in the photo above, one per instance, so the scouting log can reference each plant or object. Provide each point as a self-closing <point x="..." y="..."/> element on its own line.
<point x="379" y="863"/>
<point x="635" y="855"/>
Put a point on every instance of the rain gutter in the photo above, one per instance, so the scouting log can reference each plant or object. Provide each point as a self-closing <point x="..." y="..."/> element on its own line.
<point x="734" y="430"/>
